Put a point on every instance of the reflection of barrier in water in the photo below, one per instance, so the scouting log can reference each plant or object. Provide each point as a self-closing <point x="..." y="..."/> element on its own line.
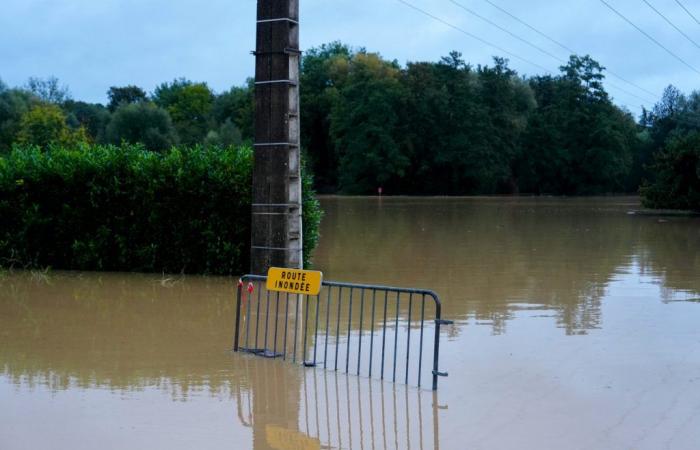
<point x="350" y="328"/>
<point x="320" y="409"/>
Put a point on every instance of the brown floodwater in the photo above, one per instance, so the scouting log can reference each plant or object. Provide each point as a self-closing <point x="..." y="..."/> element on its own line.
<point x="577" y="326"/>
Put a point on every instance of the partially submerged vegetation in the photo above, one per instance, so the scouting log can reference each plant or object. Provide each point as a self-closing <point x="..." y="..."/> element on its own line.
<point x="677" y="175"/>
<point x="124" y="208"/>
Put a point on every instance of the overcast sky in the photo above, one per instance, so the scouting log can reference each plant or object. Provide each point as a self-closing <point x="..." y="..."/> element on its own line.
<point x="91" y="45"/>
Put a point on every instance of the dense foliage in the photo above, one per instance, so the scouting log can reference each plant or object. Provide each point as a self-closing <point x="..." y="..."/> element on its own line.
<point x="126" y="208"/>
<point x="450" y="128"/>
<point x="426" y="128"/>
<point x="677" y="168"/>
<point x="672" y="136"/>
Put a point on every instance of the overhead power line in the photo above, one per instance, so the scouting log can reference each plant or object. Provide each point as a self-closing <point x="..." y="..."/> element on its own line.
<point x="671" y="23"/>
<point x="632" y="94"/>
<point x="687" y="11"/>
<point x="572" y="52"/>
<point x="461" y="30"/>
<point x="569" y="50"/>
<point x="648" y="36"/>
<point x="473" y="36"/>
<point x="536" y="47"/>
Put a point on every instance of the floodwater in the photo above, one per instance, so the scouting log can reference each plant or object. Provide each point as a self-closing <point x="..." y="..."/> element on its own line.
<point x="577" y="326"/>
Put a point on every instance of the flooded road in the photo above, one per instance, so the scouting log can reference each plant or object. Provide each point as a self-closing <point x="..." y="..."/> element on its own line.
<point x="576" y="326"/>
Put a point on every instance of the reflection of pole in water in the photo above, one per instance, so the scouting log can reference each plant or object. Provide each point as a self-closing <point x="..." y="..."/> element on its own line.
<point x="284" y="413"/>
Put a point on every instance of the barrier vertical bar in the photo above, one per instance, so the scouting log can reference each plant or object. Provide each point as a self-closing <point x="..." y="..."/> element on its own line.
<point x="247" y="316"/>
<point x="408" y="339"/>
<point x="305" y="324"/>
<point x="318" y="306"/>
<point x="337" y="328"/>
<point x="325" y="341"/>
<point x="267" y="320"/>
<point x="420" y="351"/>
<point x="257" y="320"/>
<point x="296" y="329"/>
<point x="371" y="339"/>
<point x="238" y="317"/>
<point x="359" y="348"/>
<point x="436" y="347"/>
<point x="277" y="316"/>
<point x="386" y="303"/>
<point x="347" y="353"/>
<point x="286" y="321"/>
<point x="396" y="334"/>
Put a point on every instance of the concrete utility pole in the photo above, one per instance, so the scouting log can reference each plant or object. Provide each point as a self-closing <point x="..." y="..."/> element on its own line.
<point x="276" y="231"/>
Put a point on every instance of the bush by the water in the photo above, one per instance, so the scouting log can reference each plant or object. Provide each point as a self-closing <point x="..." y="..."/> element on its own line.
<point x="124" y="208"/>
<point x="677" y="167"/>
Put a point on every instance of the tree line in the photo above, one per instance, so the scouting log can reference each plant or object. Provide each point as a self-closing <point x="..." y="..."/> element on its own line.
<point x="449" y="128"/>
<point x="181" y="112"/>
<point x="426" y="128"/>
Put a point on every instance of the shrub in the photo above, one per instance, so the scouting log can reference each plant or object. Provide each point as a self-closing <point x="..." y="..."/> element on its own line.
<point x="677" y="175"/>
<point x="124" y="208"/>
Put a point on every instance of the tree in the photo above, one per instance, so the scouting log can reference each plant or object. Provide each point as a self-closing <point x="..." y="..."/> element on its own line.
<point x="45" y="124"/>
<point x="674" y="112"/>
<point x="14" y="103"/>
<point x="93" y="117"/>
<point x="236" y="105"/>
<point x="442" y="116"/>
<point x="323" y="70"/>
<point x="505" y="104"/>
<point x="677" y="169"/>
<point x="366" y="126"/>
<point x="587" y="75"/>
<point x="577" y="141"/>
<point x="48" y="90"/>
<point x="143" y="123"/>
<point x="227" y="135"/>
<point x="125" y="95"/>
<point x="189" y="105"/>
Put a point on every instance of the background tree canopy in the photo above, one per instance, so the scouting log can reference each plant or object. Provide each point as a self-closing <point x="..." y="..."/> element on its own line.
<point x="427" y="128"/>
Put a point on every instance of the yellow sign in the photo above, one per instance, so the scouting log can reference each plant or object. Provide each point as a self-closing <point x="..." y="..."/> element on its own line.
<point x="294" y="281"/>
<point x="283" y="439"/>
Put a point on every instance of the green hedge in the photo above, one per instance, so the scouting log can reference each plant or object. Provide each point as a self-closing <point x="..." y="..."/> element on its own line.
<point x="123" y="208"/>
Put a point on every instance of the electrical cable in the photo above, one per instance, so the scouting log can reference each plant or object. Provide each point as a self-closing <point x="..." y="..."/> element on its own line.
<point x="671" y="23"/>
<point x="688" y="11"/>
<point x="536" y="47"/>
<point x="473" y="36"/>
<point x="571" y="52"/>
<point x="650" y="37"/>
<point x="455" y="27"/>
<point x="568" y="49"/>
<point x="490" y="22"/>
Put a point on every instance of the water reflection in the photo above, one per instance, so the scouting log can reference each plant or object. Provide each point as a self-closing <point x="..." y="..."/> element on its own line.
<point x="491" y="258"/>
<point x="114" y="330"/>
<point x="135" y="349"/>
<point x="312" y="409"/>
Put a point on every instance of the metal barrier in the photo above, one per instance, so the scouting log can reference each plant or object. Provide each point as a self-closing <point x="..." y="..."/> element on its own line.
<point x="334" y="321"/>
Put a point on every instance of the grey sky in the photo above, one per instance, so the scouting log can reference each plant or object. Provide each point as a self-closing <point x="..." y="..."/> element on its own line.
<point x="94" y="44"/>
